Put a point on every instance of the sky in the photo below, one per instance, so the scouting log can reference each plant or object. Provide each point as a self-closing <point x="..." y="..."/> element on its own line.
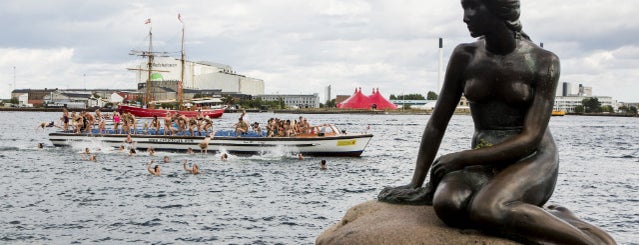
<point x="301" y="47"/>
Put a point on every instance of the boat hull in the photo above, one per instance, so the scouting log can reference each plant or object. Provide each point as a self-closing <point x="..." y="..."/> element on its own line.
<point x="145" y="112"/>
<point x="341" y="145"/>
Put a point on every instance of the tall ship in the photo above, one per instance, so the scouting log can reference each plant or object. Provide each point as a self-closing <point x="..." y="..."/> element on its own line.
<point x="147" y="109"/>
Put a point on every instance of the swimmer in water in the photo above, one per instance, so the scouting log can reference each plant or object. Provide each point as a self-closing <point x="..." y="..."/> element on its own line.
<point x="151" y="151"/>
<point x="155" y="170"/>
<point x="224" y="157"/>
<point x="194" y="170"/>
<point x="166" y="159"/>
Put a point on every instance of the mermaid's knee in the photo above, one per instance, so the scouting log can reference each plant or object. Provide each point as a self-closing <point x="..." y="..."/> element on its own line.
<point x="487" y="213"/>
<point x="450" y="205"/>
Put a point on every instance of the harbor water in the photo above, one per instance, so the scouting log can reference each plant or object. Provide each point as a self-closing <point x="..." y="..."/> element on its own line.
<point x="53" y="196"/>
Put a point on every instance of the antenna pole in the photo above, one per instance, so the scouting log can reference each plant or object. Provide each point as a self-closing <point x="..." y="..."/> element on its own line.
<point x="181" y="82"/>
<point x="147" y="97"/>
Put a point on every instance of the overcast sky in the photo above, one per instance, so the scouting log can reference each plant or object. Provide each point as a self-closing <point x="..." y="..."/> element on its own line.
<point x="303" y="46"/>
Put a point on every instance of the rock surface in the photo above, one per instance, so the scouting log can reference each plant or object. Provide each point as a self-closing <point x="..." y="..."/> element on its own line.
<point x="376" y="222"/>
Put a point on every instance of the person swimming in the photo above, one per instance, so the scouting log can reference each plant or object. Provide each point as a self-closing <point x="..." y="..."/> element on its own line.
<point x="155" y="170"/>
<point x="194" y="169"/>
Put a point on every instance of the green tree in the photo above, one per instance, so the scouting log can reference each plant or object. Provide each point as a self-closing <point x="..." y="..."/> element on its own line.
<point x="633" y="110"/>
<point x="607" y="108"/>
<point x="330" y="103"/>
<point x="579" y="109"/>
<point x="431" y="95"/>
<point x="591" y="105"/>
<point x="407" y="97"/>
<point x="14" y="101"/>
<point x="228" y="99"/>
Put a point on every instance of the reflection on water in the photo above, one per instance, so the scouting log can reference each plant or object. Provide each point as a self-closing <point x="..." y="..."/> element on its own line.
<point x="52" y="195"/>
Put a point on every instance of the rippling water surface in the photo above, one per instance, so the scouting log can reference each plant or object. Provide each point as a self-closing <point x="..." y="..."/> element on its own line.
<point x="52" y="195"/>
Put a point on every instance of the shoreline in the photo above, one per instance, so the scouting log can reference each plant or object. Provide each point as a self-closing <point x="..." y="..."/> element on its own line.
<point x="312" y="111"/>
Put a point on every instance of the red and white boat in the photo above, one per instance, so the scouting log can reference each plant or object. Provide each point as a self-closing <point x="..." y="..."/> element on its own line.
<point x="145" y="112"/>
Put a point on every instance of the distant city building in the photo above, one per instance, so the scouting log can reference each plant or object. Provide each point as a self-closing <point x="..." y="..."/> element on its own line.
<point x="567" y="98"/>
<point x="341" y="98"/>
<point x="566" y="89"/>
<point x="294" y="100"/>
<point x="71" y="100"/>
<point x="568" y="103"/>
<point x="198" y="75"/>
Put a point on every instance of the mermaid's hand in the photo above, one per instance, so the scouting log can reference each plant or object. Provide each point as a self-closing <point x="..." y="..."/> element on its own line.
<point x="406" y="194"/>
<point x="444" y="165"/>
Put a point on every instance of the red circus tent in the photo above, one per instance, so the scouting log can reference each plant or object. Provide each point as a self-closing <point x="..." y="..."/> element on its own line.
<point x="360" y="101"/>
<point x="356" y="101"/>
<point x="381" y="102"/>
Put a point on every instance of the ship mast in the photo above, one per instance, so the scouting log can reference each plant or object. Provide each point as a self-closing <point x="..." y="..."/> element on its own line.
<point x="150" y="57"/>
<point x="181" y="82"/>
<point x="147" y="97"/>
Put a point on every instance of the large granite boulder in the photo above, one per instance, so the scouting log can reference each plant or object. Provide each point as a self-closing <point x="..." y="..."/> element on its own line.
<point x="376" y="222"/>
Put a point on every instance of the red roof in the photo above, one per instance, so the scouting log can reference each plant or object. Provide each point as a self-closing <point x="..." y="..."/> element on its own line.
<point x="381" y="102"/>
<point x="360" y="101"/>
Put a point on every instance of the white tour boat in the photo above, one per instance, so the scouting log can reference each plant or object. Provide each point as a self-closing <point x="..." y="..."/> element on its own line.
<point x="331" y="142"/>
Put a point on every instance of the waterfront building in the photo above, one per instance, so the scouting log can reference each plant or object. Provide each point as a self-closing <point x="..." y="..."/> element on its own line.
<point x="199" y="76"/>
<point x="294" y="100"/>
<point x="568" y="103"/>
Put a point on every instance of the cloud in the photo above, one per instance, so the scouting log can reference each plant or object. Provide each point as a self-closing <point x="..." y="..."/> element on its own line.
<point x="304" y="46"/>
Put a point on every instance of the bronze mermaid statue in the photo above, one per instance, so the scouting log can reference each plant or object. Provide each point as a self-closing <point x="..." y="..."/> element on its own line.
<point x="500" y="185"/>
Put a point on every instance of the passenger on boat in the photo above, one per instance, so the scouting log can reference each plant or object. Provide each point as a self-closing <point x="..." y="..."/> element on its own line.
<point x="65" y="119"/>
<point x="194" y="169"/>
<point x="207" y="124"/>
<point x="256" y="127"/>
<point x="101" y="125"/>
<point x="89" y="120"/>
<point x="181" y="124"/>
<point x="155" y="170"/>
<point x="98" y="115"/>
<point x="193" y="124"/>
<point x="132" y="120"/>
<point x="270" y="127"/>
<point x="116" y="122"/>
<point x="168" y="122"/>
<point x="126" y="126"/>
<point x="155" y="124"/>
<point x="241" y="127"/>
<point x="78" y="122"/>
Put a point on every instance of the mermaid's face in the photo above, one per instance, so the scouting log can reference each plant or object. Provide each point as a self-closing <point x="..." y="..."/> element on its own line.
<point x="478" y="18"/>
